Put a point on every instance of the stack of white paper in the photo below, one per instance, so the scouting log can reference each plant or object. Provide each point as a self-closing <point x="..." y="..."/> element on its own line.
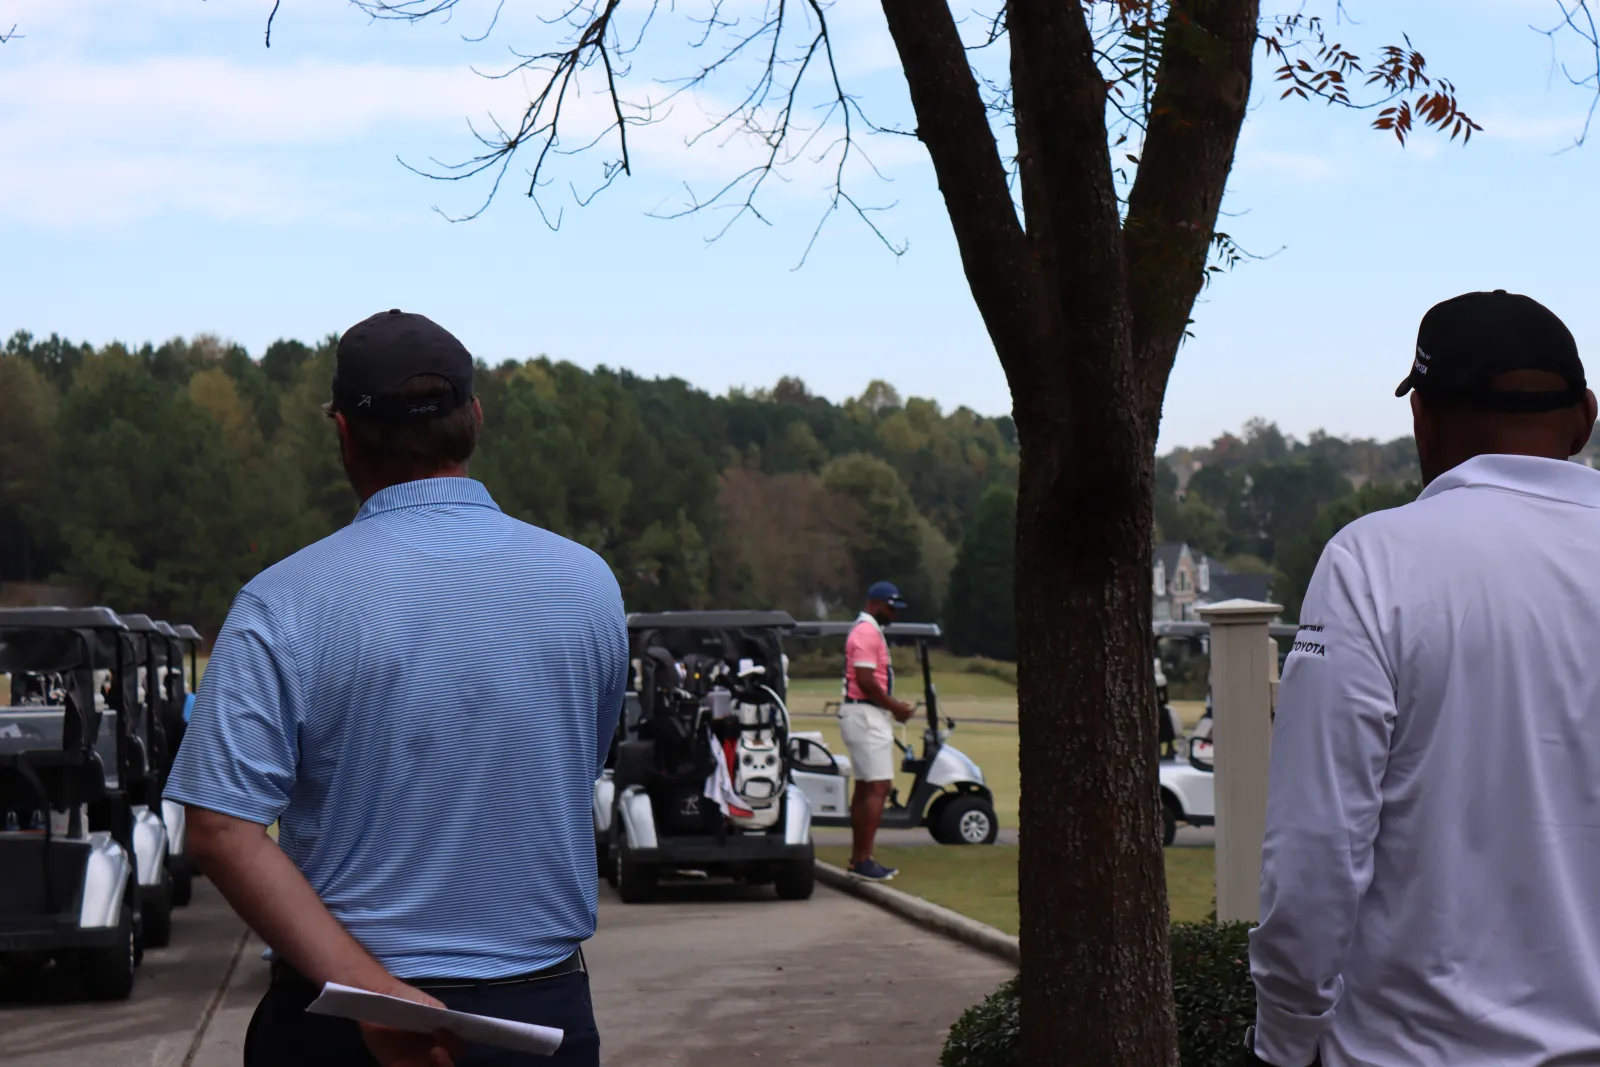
<point x="344" y="1002"/>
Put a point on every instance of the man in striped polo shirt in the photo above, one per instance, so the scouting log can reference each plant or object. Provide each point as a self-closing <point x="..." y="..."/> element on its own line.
<point x="421" y="702"/>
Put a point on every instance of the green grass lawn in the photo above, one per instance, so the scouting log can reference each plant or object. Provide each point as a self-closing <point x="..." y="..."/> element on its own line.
<point x="982" y="882"/>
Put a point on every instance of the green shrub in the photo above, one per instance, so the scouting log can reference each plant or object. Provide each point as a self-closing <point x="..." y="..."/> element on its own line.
<point x="987" y="1035"/>
<point x="1211" y="988"/>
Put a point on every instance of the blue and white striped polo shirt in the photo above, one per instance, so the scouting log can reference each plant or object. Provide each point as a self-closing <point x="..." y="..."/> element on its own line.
<point x="423" y="701"/>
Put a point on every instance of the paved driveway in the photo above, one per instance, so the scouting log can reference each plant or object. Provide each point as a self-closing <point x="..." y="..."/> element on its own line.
<point x="156" y="1027"/>
<point x="716" y="975"/>
<point x="710" y="975"/>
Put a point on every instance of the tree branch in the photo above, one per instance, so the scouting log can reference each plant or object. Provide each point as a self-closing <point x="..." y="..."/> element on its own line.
<point x="953" y="123"/>
<point x="1578" y="18"/>
<point x="1069" y="197"/>
<point x="1202" y="92"/>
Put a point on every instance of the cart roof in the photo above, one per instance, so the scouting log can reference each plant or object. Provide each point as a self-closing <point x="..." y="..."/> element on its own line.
<point x="165" y="628"/>
<point x="895" y="630"/>
<point x="1201" y="629"/>
<point x="62" y="618"/>
<point x="142" y="624"/>
<point x="711" y="620"/>
<point x="187" y="633"/>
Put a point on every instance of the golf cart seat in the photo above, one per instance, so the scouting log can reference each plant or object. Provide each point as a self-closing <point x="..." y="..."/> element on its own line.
<point x="809" y="752"/>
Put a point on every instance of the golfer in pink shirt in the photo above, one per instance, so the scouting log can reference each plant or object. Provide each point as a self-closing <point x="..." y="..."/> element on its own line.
<point x="866" y="722"/>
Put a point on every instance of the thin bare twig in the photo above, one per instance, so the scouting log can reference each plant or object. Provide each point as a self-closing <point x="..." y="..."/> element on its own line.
<point x="540" y="124"/>
<point x="772" y="109"/>
<point x="1577" y="17"/>
<point x="270" y="17"/>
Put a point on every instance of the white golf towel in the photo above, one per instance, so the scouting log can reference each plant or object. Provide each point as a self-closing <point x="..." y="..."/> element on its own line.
<point x="719" y="784"/>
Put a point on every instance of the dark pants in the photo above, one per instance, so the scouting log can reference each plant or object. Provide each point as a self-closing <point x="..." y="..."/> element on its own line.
<point x="283" y="1034"/>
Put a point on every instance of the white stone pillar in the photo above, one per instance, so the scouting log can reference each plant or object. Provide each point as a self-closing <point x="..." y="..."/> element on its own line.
<point x="1242" y="670"/>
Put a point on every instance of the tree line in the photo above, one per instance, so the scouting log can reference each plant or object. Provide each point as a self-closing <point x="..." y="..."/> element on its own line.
<point x="163" y="477"/>
<point x="1264" y="502"/>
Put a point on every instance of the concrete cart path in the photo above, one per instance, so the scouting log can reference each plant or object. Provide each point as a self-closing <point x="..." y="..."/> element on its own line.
<point x="713" y="975"/>
<point x="174" y="989"/>
<point x="710" y="975"/>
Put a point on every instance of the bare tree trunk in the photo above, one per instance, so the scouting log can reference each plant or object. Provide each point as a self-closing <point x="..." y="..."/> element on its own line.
<point x="1086" y="311"/>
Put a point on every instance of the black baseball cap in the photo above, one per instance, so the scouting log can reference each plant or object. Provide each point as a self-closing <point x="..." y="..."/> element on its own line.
<point x="378" y="355"/>
<point x="1468" y="341"/>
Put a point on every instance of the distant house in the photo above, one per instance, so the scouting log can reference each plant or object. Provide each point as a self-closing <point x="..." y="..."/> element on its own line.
<point x="1183" y="581"/>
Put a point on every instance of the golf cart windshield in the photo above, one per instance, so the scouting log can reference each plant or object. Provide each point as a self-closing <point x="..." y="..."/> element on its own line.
<point x="730" y="637"/>
<point x="49" y="656"/>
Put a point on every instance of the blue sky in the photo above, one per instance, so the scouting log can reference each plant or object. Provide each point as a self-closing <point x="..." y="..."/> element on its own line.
<point x="165" y="174"/>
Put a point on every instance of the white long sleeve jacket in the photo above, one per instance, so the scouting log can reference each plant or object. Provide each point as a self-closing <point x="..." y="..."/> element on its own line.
<point x="1430" y="886"/>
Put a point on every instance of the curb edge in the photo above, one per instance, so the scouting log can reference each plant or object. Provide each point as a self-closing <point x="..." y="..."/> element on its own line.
<point x="925" y="913"/>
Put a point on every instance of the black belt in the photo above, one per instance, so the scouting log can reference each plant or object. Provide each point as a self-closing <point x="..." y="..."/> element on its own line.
<point x="283" y="974"/>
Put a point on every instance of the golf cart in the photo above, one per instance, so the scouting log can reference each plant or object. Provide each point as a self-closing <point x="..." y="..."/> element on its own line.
<point x="141" y="755"/>
<point x="1188" y="776"/>
<point x="182" y="644"/>
<point x="67" y="875"/>
<point x="948" y="793"/>
<point x="699" y="780"/>
<point x="1169" y="728"/>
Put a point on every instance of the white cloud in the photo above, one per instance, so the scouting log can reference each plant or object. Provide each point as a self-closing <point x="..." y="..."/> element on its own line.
<point x="93" y="143"/>
<point x="201" y="100"/>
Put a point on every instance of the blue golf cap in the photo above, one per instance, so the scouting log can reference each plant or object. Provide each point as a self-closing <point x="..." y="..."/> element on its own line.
<point x="886" y="592"/>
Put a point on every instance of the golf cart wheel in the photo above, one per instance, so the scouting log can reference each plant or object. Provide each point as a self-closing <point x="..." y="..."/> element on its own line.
<point x="108" y="972"/>
<point x="636" y="882"/>
<point x="967" y="821"/>
<point x="156" y="908"/>
<point x="1169" y="823"/>
<point x="796" y="879"/>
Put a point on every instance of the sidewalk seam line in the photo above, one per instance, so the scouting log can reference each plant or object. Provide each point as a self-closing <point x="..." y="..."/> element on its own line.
<point x="216" y="1000"/>
<point x="926" y="914"/>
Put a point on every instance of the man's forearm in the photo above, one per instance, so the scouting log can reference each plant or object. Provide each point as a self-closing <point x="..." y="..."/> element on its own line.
<point x="273" y="897"/>
<point x="875" y="694"/>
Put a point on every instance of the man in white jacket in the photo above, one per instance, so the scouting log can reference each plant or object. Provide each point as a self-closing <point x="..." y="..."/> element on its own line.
<point x="1430" y="887"/>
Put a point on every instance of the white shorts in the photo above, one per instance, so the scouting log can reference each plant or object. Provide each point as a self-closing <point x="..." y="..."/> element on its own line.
<point x="868" y="734"/>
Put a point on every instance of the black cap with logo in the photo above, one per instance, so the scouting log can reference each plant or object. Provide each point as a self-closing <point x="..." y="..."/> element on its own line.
<point x="1465" y="343"/>
<point x="378" y="355"/>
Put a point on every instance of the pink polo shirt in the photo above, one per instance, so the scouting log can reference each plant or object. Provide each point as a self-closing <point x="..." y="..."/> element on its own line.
<point x="865" y="647"/>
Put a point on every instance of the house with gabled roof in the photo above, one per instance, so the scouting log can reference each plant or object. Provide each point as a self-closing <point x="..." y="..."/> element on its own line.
<point x="1184" y="580"/>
